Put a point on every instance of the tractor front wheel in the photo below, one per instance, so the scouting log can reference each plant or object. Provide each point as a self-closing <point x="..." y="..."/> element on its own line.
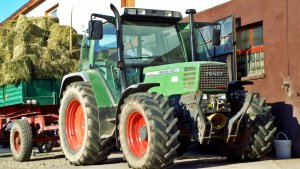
<point x="79" y="128"/>
<point x="148" y="131"/>
<point x="255" y="136"/>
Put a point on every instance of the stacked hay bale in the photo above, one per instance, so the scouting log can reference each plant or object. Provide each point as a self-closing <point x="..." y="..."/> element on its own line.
<point x="36" y="48"/>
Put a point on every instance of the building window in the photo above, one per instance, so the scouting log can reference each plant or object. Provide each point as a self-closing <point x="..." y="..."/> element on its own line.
<point x="250" y="50"/>
<point x="52" y="11"/>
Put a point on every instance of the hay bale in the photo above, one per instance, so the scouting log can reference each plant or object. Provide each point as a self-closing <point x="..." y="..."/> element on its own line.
<point x="15" y="71"/>
<point x="36" y="48"/>
<point x="44" y="22"/>
<point x="59" y="37"/>
<point x="27" y="32"/>
<point x="53" y="54"/>
<point x="6" y="54"/>
<point x="53" y="69"/>
<point x="7" y="35"/>
<point x="75" y="54"/>
<point x="24" y="49"/>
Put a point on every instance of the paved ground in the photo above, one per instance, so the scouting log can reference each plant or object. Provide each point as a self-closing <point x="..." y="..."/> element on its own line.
<point x="56" y="159"/>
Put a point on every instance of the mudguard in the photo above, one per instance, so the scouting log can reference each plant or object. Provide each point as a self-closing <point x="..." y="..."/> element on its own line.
<point x="70" y="78"/>
<point x="104" y="99"/>
<point x="140" y="87"/>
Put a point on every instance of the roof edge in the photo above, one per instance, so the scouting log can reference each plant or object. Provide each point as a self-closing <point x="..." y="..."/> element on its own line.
<point x="31" y="4"/>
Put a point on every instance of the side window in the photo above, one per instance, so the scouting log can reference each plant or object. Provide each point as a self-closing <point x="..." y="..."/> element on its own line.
<point x="185" y="34"/>
<point x="250" y="50"/>
<point x="85" y="50"/>
<point x="106" y="48"/>
<point x="226" y="47"/>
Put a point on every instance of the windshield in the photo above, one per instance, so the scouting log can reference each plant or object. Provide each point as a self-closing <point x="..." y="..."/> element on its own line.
<point x="152" y="43"/>
<point x="201" y="51"/>
<point x="145" y="44"/>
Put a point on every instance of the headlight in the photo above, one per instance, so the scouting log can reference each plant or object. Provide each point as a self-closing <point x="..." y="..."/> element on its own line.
<point x="152" y="12"/>
<point x="177" y="14"/>
<point x="204" y="96"/>
<point x="131" y="11"/>
<point x="141" y="12"/>
<point x="168" y="13"/>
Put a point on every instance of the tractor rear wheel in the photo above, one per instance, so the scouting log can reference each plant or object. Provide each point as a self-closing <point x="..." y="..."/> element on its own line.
<point x="79" y="129"/>
<point x="256" y="134"/>
<point x="21" y="140"/>
<point x="148" y="131"/>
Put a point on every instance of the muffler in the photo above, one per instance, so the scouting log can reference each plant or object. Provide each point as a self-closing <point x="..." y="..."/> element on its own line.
<point x="217" y="120"/>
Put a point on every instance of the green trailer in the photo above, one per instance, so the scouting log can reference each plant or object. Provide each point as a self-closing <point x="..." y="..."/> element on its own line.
<point x="29" y="116"/>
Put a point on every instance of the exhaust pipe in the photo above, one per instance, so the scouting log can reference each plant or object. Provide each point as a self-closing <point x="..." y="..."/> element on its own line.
<point x="217" y="120"/>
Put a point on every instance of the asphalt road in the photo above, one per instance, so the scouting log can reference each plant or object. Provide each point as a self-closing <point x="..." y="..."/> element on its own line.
<point x="56" y="159"/>
<point x="115" y="161"/>
<point x="190" y="160"/>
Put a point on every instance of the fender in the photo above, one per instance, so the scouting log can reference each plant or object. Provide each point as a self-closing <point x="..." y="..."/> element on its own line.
<point x="140" y="87"/>
<point x="105" y="102"/>
<point x="70" y="78"/>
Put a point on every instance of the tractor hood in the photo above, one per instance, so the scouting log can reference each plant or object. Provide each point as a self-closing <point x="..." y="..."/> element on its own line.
<point x="189" y="77"/>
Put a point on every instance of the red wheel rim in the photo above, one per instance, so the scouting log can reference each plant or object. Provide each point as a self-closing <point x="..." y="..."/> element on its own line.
<point x="136" y="130"/>
<point x="17" y="141"/>
<point x="75" y="124"/>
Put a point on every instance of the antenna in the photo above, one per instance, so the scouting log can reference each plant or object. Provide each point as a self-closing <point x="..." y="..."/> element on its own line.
<point x="71" y="32"/>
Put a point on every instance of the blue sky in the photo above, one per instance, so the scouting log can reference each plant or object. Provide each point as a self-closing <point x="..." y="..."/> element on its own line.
<point x="8" y="7"/>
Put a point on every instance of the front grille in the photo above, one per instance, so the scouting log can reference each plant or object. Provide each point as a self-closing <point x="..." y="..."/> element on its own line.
<point x="213" y="76"/>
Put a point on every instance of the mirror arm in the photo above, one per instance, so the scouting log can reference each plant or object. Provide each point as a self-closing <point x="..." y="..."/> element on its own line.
<point x="109" y="19"/>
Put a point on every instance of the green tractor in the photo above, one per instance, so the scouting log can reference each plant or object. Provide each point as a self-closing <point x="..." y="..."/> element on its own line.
<point x="139" y="90"/>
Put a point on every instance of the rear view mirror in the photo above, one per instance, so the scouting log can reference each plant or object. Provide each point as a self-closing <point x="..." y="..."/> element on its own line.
<point x="216" y="37"/>
<point x="95" y="29"/>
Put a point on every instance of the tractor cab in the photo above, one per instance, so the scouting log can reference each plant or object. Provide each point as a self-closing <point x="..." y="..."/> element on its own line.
<point x="122" y="46"/>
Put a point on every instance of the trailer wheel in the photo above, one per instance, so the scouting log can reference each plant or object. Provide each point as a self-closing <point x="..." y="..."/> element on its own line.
<point x="21" y="140"/>
<point x="79" y="129"/>
<point x="256" y="135"/>
<point x="148" y="131"/>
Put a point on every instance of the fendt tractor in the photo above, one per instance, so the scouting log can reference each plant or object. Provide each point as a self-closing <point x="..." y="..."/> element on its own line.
<point x="139" y="90"/>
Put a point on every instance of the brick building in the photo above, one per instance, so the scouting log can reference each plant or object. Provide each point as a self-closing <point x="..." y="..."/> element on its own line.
<point x="267" y="43"/>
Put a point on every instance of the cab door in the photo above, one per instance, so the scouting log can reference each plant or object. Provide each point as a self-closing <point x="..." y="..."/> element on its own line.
<point x="225" y="51"/>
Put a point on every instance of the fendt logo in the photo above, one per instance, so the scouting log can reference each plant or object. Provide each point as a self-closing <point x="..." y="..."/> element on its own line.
<point x="214" y="74"/>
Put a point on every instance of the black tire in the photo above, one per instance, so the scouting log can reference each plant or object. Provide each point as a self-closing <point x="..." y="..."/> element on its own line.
<point x="160" y="126"/>
<point x="93" y="149"/>
<point x="258" y="134"/>
<point x="21" y="140"/>
<point x="46" y="147"/>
